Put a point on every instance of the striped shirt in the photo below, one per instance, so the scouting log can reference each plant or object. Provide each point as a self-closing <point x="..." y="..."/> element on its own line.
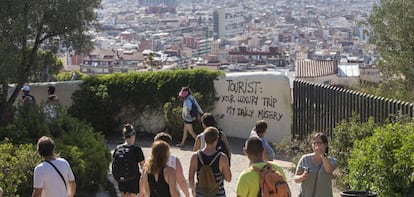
<point x="215" y="167"/>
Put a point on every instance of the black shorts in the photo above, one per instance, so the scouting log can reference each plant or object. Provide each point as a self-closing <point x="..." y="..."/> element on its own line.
<point x="129" y="186"/>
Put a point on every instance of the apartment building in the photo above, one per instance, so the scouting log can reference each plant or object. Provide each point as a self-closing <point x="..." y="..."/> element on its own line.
<point x="227" y="22"/>
<point x="198" y="46"/>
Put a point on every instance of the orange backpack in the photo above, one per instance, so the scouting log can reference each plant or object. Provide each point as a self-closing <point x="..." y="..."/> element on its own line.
<point x="271" y="182"/>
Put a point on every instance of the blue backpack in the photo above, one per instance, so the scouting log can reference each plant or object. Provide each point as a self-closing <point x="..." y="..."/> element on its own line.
<point x="194" y="109"/>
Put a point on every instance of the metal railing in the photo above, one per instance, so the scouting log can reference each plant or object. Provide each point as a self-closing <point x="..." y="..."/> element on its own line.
<point x="319" y="107"/>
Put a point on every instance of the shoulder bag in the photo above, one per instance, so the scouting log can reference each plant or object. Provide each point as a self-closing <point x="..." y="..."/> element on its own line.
<point x="316" y="180"/>
<point x="60" y="174"/>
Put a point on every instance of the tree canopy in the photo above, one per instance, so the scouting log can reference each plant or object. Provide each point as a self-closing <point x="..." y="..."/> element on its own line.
<point x="391" y="30"/>
<point x="32" y="30"/>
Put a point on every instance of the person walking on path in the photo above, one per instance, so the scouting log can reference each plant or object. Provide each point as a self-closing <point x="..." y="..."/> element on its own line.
<point x="175" y="163"/>
<point x="208" y="120"/>
<point x="134" y="159"/>
<point x="54" y="176"/>
<point x="314" y="170"/>
<point x="188" y="100"/>
<point x="260" y="131"/>
<point x="248" y="182"/>
<point x="158" y="178"/>
<point x="208" y="154"/>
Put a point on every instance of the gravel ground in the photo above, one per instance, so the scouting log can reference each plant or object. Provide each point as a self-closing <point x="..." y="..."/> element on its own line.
<point x="239" y="162"/>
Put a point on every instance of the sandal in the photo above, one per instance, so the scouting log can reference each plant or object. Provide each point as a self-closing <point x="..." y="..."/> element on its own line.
<point x="179" y="145"/>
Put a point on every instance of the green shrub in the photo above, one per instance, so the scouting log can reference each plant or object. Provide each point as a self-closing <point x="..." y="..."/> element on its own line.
<point x="384" y="162"/>
<point x="67" y="76"/>
<point x="293" y="149"/>
<point x="75" y="141"/>
<point x="101" y="99"/>
<point x="16" y="168"/>
<point x="344" y="136"/>
<point x="28" y="126"/>
<point x="172" y="113"/>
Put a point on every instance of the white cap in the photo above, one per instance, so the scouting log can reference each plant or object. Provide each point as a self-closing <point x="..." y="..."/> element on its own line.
<point x="26" y="88"/>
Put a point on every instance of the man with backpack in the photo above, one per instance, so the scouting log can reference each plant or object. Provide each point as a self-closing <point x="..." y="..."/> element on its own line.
<point x="212" y="168"/>
<point x="262" y="178"/>
<point x="27" y="97"/>
<point x="208" y="120"/>
<point x="126" y="158"/>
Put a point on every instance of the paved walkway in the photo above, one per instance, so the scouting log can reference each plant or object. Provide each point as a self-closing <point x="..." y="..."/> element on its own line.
<point x="238" y="164"/>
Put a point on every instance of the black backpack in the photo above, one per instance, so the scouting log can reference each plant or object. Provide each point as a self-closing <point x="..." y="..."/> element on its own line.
<point x="220" y="144"/>
<point x="27" y="98"/>
<point x="124" y="165"/>
<point x="221" y="147"/>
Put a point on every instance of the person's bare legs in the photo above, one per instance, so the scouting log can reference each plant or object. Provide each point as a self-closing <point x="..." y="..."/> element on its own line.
<point x="184" y="135"/>
<point x="191" y="131"/>
<point x="188" y="128"/>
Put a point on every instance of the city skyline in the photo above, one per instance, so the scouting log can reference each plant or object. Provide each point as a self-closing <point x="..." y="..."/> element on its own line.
<point x="214" y="33"/>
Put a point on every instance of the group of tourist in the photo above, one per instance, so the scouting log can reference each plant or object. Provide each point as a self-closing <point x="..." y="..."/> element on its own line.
<point x="162" y="174"/>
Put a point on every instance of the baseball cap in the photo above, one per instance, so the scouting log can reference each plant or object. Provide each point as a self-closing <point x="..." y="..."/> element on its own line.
<point x="26" y="88"/>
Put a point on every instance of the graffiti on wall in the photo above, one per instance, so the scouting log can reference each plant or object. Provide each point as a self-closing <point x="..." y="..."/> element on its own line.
<point x="246" y="98"/>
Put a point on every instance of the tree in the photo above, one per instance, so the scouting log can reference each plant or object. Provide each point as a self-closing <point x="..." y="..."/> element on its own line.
<point x="29" y="26"/>
<point x="151" y="62"/>
<point x="45" y="67"/>
<point x="391" y="29"/>
<point x="384" y="161"/>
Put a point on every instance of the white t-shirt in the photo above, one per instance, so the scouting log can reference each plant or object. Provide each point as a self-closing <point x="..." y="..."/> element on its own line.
<point x="46" y="177"/>
<point x="202" y="141"/>
<point x="172" y="161"/>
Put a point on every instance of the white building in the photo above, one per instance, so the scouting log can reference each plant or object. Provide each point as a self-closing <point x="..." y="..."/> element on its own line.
<point x="227" y="22"/>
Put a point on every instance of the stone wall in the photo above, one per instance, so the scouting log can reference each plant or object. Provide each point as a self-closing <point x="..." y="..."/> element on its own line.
<point x="64" y="91"/>
<point x="244" y="98"/>
<point x="247" y="97"/>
